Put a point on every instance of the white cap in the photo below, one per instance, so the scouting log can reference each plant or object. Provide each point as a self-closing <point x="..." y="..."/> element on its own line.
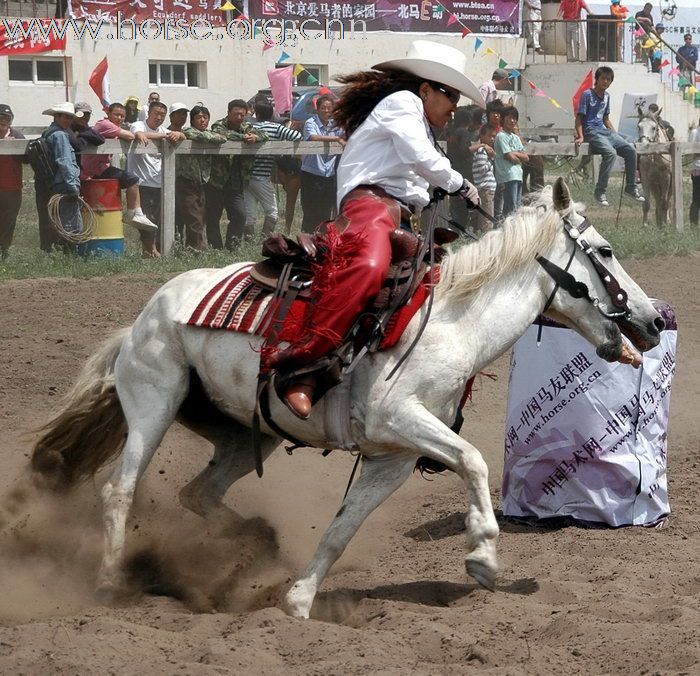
<point x="174" y="107"/>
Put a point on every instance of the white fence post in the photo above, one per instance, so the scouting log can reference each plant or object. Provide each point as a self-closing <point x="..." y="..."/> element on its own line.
<point x="677" y="178"/>
<point x="167" y="197"/>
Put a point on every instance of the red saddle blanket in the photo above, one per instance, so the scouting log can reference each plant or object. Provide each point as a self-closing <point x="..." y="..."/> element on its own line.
<point x="236" y="303"/>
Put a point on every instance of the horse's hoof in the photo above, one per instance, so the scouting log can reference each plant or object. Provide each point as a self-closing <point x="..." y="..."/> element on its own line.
<point x="109" y="594"/>
<point x="298" y="601"/>
<point x="482" y="573"/>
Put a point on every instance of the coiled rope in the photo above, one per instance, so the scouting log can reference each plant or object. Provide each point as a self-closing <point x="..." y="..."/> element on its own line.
<point x="88" y="214"/>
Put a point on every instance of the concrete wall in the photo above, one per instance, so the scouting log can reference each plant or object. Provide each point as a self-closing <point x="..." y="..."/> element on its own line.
<point x="234" y="68"/>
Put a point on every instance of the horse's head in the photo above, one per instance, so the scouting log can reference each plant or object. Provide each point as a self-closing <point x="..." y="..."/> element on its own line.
<point x="648" y="126"/>
<point x="592" y="293"/>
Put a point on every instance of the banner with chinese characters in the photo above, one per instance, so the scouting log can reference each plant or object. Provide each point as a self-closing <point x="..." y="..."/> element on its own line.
<point x="490" y="17"/>
<point x="158" y="10"/>
<point x="17" y="36"/>
<point x="586" y="438"/>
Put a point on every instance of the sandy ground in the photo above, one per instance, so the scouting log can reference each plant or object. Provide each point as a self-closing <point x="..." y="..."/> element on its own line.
<point x="569" y="600"/>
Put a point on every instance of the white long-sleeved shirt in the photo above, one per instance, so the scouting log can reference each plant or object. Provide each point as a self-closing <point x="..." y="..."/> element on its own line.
<point x="393" y="149"/>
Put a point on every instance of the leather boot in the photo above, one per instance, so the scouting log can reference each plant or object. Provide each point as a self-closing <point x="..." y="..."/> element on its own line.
<point x="299" y="397"/>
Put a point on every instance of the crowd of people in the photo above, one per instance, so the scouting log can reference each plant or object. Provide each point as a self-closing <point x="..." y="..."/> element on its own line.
<point x="206" y="185"/>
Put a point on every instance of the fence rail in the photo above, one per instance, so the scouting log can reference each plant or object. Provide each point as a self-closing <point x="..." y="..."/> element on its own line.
<point x="676" y="149"/>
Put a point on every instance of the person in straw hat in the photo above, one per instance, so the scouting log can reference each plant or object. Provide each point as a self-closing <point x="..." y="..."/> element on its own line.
<point x="390" y="160"/>
<point x="65" y="180"/>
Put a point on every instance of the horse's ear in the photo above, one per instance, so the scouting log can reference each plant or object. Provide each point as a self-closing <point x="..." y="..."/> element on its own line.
<point x="561" y="195"/>
<point x="658" y="113"/>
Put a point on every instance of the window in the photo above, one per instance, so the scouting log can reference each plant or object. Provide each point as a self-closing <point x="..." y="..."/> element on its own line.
<point x="37" y="71"/>
<point x="179" y="73"/>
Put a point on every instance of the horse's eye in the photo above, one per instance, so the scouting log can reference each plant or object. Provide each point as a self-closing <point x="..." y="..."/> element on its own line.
<point x="605" y="251"/>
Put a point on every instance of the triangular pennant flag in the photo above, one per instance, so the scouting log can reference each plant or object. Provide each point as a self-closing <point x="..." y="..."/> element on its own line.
<point x="532" y="84"/>
<point x="440" y="8"/>
<point x="514" y="73"/>
<point x="227" y="7"/>
<point x="465" y="32"/>
<point x="639" y="32"/>
<point x="647" y="44"/>
<point x="477" y="45"/>
<point x="267" y="45"/>
<point x="539" y="92"/>
<point x="311" y="79"/>
<point x="489" y="50"/>
<point x="555" y="103"/>
<point x="630" y="19"/>
<point x="241" y="17"/>
<point x="298" y="69"/>
<point x="674" y="71"/>
<point x="692" y="90"/>
<point x="283" y="57"/>
<point x="683" y="82"/>
<point x="502" y="63"/>
<point x="585" y="85"/>
<point x="451" y="20"/>
<point x="665" y="63"/>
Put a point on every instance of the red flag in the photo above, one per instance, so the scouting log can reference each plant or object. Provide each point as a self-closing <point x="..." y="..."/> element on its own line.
<point x="26" y="36"/>
<point x="99" y="83"/>
<point x="586" y="83"/>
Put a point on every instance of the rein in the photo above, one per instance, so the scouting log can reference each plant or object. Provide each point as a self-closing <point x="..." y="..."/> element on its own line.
<point x="565" y="280"/>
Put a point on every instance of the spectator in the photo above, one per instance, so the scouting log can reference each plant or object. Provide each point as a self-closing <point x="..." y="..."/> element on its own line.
<point x="498" y="82"/>
<point x="178" y="116"/>
<point x="229" y="176"/>
<point x="318" y="172"/>
<point x="64" y="182"/>
<point x="594" y="127"/>
<point x="147" y="168"/>
<point x="532" y="10"/>
<point x="83" y="134"/>
<point x="654" y="45"/>
<point x="10" y="182"/>
<point x="510" y="155"/>
<point x="687" y="59"/>
<point x="100" y="167"/>
<point x="143" y="113"/>
<point x="260" y="190"/>
<point x="620" y="12"/>
<point x="570" y="11"/>
<point x="132" y="110"/>
<point x="484" y="177"/>
<point x="694" y="137"/>
<point x="645" y="18"/>
<point x="462" y="141"/>
<point x="494" y="116"/>
<point x="193" y="172"/>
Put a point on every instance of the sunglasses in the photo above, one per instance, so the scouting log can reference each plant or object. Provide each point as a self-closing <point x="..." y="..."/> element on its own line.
<point x="453" y="95"/>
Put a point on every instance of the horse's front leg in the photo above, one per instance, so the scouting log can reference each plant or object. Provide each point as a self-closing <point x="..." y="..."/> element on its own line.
<point x="435" y="440"/>
<point x="379" y="478"/>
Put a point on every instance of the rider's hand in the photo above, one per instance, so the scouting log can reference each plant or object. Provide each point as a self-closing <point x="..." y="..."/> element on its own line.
<point x="469" y="192"/>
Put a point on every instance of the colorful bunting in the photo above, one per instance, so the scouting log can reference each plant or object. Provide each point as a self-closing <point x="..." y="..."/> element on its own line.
<point x="267" y="45"/>
<point x="683" y="82"/>
<point x="502" y="63"/>
<point x="692" y="90"/>
<point x="674" y="71"/>
<point x="227" y="7"/>
<point x="283" y="57"/>
<point x="489" y="50"/>
<point x="452" y="19"/>
<point x="532" y="84"/>
<point x="630" y="19"/>
<point x="514" y="73"/>
<point x="665" y="63"/>
<point x="311" y="79"/>
<point x="477" y="45"/>
<point x="639" y="32"/>
<point x="555" y="103"/>
<point x="465" y="32"/>
<point x="298" y="69"/>
<point x="539" y="92"/>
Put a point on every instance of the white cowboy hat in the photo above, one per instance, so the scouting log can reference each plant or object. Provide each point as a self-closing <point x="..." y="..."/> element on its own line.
<point x="438" y="63"/>
<point x="66" y="108"/>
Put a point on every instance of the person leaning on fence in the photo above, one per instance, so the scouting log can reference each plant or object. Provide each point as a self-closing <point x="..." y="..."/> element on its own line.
<point x="143" y="112"/>
<point x="687" y="59"/>
<point x="65" y="180"/>
<point x="100" y="167"/>
<point x="148" y="169"/>
<point x="570" y="11"/>
<point x="260" y="190"/>
<point x="132" y="110"/>
<point x="498" y="82"/>
<point x="229" y="177"/>
<point x="532" y="16"/>
<point x="318" y="172"/>
<point x="191" y="175"/>
<point x="10" y="182"/>
<point x="593" y="126"/>
<point x="694" y="137"/>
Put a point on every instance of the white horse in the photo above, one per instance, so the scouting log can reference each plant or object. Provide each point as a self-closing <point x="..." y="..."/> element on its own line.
<point x="488" y="294"/>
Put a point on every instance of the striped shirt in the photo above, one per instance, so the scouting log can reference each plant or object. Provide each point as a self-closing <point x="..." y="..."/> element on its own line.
<point x="262" y="168"/>
<point x="482" y="171"/>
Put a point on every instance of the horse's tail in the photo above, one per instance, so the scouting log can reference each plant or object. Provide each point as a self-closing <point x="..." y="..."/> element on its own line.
<point x="90" y="428"/>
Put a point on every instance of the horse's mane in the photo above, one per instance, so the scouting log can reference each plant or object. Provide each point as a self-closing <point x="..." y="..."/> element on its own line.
<point x="529" y="231"/>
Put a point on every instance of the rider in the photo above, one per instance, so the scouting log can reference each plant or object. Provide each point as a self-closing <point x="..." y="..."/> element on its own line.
<point x="390" y="160"/>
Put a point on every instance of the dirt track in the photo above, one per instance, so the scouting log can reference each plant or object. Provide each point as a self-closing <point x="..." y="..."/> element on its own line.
<point x="569" y="601"/>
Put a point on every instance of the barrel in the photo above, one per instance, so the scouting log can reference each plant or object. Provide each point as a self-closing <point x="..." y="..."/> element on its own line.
<point x="103" y="195"/>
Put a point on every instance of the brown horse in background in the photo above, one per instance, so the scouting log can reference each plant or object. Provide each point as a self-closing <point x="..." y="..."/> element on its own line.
<point x="655" y="169"/>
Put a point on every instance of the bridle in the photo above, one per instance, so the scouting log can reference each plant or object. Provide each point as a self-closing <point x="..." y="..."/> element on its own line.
<point x="563" y="279"/>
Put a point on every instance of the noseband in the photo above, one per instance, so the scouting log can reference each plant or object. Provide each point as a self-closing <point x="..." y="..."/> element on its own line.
<point x="565" y="280"/>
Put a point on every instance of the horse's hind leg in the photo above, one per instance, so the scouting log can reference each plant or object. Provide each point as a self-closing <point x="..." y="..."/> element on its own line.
<point x="233" y="459"/>
<point x="151" y="388"/>
<point x="379" y="478"/>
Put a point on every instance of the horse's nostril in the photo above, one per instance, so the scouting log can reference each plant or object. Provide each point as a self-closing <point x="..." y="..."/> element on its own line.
<point x="659" y="324"/>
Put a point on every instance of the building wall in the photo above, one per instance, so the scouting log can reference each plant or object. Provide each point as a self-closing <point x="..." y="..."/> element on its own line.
<point x="234" y="68"/>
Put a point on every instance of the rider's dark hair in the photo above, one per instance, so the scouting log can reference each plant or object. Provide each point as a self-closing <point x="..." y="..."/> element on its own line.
<point x="364" y="90"/>
<point x="196" y="110"/>
<point x="604" y="70"/>
<point x="114" y="105"/>
<point x="263" y="111"/>
<point x="157" y="104"/>
<point x="510" y="111"/>
<point x="237" y="103"/>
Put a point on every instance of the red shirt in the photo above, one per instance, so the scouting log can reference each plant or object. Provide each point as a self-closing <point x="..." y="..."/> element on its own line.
<point x="571" y="9"/>
<point x="11" y="168"/>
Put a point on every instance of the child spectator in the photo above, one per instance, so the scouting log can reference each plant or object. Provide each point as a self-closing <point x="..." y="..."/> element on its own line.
<point x="510" y="154"/>
<point x="483" y="175"/>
